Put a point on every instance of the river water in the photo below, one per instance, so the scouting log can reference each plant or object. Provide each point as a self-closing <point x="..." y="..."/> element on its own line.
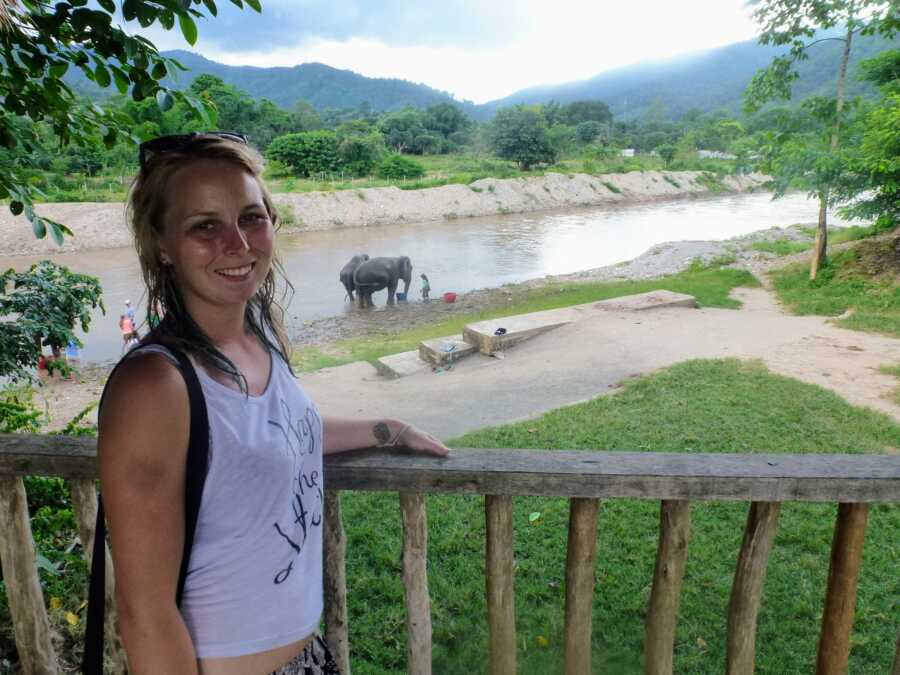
<point x="458" y="255"/>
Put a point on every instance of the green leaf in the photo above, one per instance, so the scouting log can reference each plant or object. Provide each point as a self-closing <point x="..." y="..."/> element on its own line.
<point x="167" y="19"/>
<point x="534" y="516"/>
<point x="46" y="565"/>
<point x="255" y="5"/>
<point x="188" y="28"/>
<point x="59" y="68"/>
<point x="102" y="75"/>
<point x="39" y="227"/>
<point x="211" y="6"/>
<point x="122" y="82"/>
<point x="108" y="5"/>
<point x="16" y="207"/>
<point x="56" y="233"/>
<point x="164" y="100"/>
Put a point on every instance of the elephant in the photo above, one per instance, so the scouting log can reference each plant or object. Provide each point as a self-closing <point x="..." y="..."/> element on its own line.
<point x="378" y="273"/>
<point x="348" y="270"/>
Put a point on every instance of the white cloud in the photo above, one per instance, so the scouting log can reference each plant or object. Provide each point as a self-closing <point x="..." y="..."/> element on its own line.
<point x="547" y="41"/>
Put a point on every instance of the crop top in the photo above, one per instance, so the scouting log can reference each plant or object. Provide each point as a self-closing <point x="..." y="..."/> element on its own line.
<point x="254" y="580"/>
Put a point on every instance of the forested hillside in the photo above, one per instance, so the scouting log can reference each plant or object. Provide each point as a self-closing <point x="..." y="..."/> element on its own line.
<point x="320" y="85"/>
<point x="712" y="80"/>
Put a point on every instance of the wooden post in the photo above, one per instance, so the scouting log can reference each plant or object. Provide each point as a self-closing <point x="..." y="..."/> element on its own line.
<point x="415" y="583"/>
<point x="499" y="580"/>
<point x="335" y="582"/>
<point x="23" y="587"/>
<point x="84" y="504"/>
<point x="840" y="598"/>
<point x="746" y="591"/>
<point x="662" y="614"/>
<point x="581" y="557"/>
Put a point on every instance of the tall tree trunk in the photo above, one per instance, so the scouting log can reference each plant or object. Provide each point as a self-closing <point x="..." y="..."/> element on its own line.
<point x="820" y="248"/>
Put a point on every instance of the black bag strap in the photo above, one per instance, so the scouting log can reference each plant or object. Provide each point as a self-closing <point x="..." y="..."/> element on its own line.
<point x="197" y="466"/>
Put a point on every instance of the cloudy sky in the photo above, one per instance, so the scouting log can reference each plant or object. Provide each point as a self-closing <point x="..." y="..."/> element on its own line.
<point x="475" y="49"/>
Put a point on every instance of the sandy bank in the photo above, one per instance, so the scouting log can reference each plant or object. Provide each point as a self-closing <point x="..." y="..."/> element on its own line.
<point x="103" y="225"/>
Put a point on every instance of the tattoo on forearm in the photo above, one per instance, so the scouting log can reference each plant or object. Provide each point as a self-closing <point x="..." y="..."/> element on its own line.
<point x="382" y="433"/>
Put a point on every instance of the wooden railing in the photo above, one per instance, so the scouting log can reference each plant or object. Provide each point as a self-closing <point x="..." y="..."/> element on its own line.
<point x="854" y="481"/>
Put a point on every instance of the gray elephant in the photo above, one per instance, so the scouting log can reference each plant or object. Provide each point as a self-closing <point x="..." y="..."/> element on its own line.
<point x="348" y="270"/>
<point x="378" y="273"/>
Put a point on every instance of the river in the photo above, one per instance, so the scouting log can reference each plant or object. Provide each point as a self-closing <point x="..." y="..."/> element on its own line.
<point x="457" y="255"/>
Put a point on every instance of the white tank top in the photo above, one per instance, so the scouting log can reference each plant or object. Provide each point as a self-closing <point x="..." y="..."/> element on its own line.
<point x="254" y="581"/>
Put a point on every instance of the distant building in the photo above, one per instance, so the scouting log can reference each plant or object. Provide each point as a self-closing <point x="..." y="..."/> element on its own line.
<point x="628" y="152"/>
<point x="714" y="154"/>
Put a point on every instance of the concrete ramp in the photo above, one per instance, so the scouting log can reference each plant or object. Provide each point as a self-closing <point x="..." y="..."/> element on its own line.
<point x="441" y="351"/>
<point x="512" y="329"/>
<point x="401" y="365"/>
<point x="650" y="300"/>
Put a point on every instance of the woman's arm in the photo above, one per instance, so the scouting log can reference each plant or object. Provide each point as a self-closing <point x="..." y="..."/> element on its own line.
<point x="142" y="452"/>
<point x="344" y="433"/>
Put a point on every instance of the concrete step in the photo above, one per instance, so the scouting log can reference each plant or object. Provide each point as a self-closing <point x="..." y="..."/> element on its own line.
<point x="441" y="351"/>
<point x="482" y="335"/>
<point x="649" y="300"/>
<point x="401" y="365"/>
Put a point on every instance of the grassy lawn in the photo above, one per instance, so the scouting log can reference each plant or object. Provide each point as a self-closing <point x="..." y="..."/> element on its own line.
<point x="697" y="406"/>
<point x="865" y="279"/>
<point x="710" y="286"/>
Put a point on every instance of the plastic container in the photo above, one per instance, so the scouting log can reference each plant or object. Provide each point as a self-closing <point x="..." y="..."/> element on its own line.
<point x="449" y="297"/>
<point x="401" y="297"/>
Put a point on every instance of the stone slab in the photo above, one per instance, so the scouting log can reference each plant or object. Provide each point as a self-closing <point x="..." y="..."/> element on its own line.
<point x="401" y="365"/>
<point x="649" y="300"/>
<point x="441" y="351"/>
<point x="518" y="329"/>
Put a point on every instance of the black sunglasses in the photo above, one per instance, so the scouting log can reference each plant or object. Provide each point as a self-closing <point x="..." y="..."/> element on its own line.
<point x="178" y="142"/>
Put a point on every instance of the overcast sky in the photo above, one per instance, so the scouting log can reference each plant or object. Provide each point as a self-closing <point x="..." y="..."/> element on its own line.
<point x="475" y="49"/>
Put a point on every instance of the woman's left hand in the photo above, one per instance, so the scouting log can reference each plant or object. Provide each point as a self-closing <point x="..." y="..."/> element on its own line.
<point x="417" y="440"/>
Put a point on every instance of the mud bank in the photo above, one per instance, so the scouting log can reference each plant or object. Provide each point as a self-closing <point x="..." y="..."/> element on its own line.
<point x="103" y="225"/>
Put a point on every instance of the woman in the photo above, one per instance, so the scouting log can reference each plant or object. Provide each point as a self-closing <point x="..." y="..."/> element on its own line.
<point x="204" y="226"/>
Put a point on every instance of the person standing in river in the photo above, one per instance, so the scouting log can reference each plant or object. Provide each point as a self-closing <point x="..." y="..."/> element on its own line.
<point x="204" y="226"/>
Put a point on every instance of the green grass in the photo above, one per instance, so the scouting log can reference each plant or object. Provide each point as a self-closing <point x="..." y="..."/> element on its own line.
<point x="672" y="181"/>
<point x="846" y="283"/>
<point x="781" y="247"/>
<point x="895" y="371"/>
<point x="697" y="406"/>
<point x="709" y="285"/>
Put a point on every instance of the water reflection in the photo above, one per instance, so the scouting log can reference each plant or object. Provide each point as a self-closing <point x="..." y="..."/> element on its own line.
<point x="458" y="255"/>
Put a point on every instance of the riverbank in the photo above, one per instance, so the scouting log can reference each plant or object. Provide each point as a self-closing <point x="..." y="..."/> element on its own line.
<point x="103" y="225"/>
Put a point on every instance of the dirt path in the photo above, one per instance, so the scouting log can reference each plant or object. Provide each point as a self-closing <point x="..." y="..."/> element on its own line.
<point x="576" y="362"/>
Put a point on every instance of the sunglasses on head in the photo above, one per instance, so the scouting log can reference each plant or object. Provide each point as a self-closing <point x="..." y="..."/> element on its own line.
<point x="178" y="142"/>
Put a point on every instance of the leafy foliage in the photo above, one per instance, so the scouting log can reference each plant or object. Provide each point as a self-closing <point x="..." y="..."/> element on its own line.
<point x="520" y="134"/>
<point x="399" y="167"/>
<point x="41" y="307"/>
<point x="307" y="153"/>
<point x="38" y="45"/>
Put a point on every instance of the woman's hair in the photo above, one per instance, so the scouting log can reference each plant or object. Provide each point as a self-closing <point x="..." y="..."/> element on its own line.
<point x="146" y="210"/>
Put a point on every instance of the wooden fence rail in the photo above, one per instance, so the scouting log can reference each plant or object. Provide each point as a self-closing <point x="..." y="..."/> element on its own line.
<point x="764" y="481"/>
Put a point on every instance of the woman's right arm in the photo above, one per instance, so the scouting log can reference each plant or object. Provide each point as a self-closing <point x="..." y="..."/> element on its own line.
<point x="142" y="452"/>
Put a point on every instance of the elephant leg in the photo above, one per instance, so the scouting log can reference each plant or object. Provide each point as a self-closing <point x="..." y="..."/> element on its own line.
<point x="392" y="289"/>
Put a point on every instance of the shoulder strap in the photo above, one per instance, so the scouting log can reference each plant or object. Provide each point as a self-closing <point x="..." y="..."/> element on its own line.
<point x="197" y="466"/>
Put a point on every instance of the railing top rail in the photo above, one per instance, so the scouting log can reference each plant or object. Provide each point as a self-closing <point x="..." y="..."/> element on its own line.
<point x="637" y="475"/>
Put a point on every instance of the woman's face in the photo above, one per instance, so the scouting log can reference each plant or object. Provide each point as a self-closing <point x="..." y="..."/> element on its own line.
<point x="217" y="236"/>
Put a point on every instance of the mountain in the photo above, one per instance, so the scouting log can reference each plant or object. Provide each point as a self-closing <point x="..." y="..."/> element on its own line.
<point x="709" y="80"/>
<point x="320" y="85"/>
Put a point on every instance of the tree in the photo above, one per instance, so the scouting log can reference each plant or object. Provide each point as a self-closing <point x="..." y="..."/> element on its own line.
<point x="586" y="111"/>
<point x="40" y="41"/>
<point x="41" y="307"/>
<point x="794" y="23"/>
<point x="588" y="131"/>
<point x="520" y="134"/>
<point x="360" y="147"/>
<point x="445" y="119"/>
<point x="306" y="153"/>
<point x="667" y="152"/>
<point x="401" y="129"/>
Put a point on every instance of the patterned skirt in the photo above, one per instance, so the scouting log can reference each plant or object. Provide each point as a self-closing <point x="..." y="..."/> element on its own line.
<point x="315" y="659"/>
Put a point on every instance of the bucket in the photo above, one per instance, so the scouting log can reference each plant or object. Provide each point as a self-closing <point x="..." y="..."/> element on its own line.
<point x="449" y="297"/>
<point x="401" y="297"/>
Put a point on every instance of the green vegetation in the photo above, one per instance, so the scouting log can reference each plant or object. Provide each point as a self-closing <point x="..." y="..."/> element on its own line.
<point x="689" y="408"/>
<point x="781" y="246"/>
<point x="611" y="187"/>
<point x="672" y="181"/>
<point x="862" y="282"/>
<point x="709" y="284"/>
<point x="895" y="371"/>
<point x="399" y="167"/>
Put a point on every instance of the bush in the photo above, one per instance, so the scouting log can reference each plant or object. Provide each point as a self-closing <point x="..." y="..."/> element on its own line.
<point x="397" y="167"/>
<point x="587" y="132"/>
<point x="306" y="153"/>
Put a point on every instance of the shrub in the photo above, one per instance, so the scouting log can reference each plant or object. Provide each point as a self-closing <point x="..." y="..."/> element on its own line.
<point x="306" y="153"/>
<point x="397" y="167"/>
